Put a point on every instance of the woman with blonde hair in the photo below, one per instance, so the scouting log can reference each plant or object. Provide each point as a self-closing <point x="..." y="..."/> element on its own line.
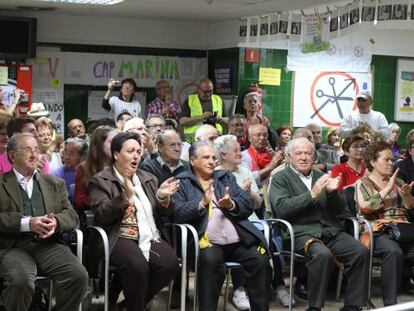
<point x="47" y="145"/>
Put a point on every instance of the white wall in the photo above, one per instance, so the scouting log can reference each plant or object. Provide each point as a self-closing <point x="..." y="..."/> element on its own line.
<point x="100" y="30"/>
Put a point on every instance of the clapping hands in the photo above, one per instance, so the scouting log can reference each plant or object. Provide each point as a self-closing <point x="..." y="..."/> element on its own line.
<point x="325" y="182"/>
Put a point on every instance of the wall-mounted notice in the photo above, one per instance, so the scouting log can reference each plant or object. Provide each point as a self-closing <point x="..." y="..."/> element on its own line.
<point x="404" y="95"/>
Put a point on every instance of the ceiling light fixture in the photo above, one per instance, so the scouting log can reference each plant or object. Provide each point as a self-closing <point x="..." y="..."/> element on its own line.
<point x="93" y="2"/>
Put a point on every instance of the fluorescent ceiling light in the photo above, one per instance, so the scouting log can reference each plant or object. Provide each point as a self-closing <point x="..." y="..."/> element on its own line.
<point x="96" y="2"/>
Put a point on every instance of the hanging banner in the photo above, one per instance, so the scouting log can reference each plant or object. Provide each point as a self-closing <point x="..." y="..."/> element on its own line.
<point x="274" y="27"/>
<point x="97" y="69"/>
<point x="333" y="25"/>
<point x="315" y="34"/>
<point x="253" y="30"/>
<point x="368" y="11"/>
<point x="404" y="96"/>
<point x="296" y="28"/>
<point x="243" y="30"/>
<point x="343" y="55"/>
<point x="343" y="20"/>
<point x="264" y="28"/>
<point x="325" y="98"/>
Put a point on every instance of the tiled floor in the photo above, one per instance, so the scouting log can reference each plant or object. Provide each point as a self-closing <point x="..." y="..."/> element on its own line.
<point x="160" y="302"/>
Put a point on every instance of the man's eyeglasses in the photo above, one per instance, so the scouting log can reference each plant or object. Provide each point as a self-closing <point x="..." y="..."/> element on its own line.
<point x="156" y="125"/>
<point x="177" y="144"/>
<point x="207" y="91"/>
<point x="28" y="151"/>
<point x="362" y="147"/>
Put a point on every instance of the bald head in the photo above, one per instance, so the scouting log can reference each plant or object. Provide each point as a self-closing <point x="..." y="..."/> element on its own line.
<point x="206" y="132"/>
<point x="205" y="89"/>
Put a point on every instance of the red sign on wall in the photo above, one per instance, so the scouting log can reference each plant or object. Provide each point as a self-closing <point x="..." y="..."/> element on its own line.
<point x="252" y="55"/>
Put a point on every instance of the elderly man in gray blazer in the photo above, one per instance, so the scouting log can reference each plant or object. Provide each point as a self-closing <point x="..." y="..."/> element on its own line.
<point x="34" y="209"/>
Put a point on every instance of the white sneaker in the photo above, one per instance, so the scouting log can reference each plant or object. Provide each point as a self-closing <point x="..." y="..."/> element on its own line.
<point x="240" y="300"/>
<point x="282" y="295"/>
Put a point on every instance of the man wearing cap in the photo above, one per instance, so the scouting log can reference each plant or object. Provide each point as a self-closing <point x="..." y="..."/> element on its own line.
<point x="202" y="108"/>
<point x="364" y="115"/>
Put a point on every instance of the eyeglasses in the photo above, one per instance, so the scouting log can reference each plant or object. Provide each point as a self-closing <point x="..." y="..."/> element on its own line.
<point x="28" y="150"/>
<point x="156" y="125"/>
<point x="360" y="99"/>
<point x="207" y="91"/>
<point x="362" y="147"/>
<point x="176" y="144"/>
<point x="265" y="135"/>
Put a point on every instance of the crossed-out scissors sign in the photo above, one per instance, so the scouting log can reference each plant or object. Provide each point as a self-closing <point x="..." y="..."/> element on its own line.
<point x="332" y="97"/>
<point x="326" y="98"/>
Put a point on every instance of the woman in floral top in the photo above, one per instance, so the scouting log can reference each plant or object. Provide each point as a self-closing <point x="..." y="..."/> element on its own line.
<point x="382" y="197"/>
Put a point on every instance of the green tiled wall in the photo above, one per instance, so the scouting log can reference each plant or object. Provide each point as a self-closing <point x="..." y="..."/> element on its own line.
<point x="277" y="99"/>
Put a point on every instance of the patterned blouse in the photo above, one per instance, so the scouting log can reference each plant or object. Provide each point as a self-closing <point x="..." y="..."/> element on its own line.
<point x="391" y="208"/>
<point x="156" y="106"/>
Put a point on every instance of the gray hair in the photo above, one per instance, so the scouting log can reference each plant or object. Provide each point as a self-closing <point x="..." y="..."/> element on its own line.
<point x="81" y="145"/>
<point x="236" y="116"/>
<point x="291" y="143"/>
<point x="193" y="151"/>
<point x="310" y="125"/>
<point x="393" y="127"/>
<point x="201" y="131"/>
<point x="14" y="143"/>
<point x="221" y="145"/>
<point x="153" y="116"/>
<point x="163" y="134"/>
<point x="298" y="132"/>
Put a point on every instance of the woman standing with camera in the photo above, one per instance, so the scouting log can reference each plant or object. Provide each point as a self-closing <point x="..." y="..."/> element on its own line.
<point x="125" y="101"/>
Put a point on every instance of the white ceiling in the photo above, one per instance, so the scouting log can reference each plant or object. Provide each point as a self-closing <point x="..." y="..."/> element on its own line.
<point x="191" y="10"/>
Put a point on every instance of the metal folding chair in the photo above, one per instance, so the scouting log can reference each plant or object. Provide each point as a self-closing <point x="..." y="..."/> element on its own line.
<point x="229" y="265"/>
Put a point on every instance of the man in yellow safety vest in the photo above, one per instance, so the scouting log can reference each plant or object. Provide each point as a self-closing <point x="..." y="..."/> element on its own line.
<point x="202" y="108"/>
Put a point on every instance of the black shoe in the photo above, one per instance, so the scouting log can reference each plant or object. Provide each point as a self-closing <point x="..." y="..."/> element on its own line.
<point x="301" y="290"/>
<point x="350" y="308"/>
<point x="408" y="283"/>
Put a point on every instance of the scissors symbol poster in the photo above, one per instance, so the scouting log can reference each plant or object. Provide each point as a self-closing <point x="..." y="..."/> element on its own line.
<point x="326" y="97"/>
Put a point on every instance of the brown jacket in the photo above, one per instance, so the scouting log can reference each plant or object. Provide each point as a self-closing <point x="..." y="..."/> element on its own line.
<point x="108" y="203"/>
<point x="55" y="198"/>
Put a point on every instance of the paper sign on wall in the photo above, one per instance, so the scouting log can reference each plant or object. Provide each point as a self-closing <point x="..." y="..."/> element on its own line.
<point x="269" y="76"/>
<point x="4" y="73"/>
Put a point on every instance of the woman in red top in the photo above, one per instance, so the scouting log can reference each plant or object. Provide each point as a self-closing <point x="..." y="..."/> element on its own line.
<point x="354" y="168"/>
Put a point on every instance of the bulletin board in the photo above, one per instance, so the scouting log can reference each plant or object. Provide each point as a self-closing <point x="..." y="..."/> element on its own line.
<point x="404" y="95"/>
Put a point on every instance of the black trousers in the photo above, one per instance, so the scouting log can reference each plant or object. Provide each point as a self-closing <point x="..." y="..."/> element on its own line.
<point x="141" y="279"/>
<point x="212" y="273"/>
<point x="393" y="255"/>
<point x="347" y="250"/>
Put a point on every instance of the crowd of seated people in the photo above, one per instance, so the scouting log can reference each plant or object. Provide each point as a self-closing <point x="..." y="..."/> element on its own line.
<point x="143" y="168"/>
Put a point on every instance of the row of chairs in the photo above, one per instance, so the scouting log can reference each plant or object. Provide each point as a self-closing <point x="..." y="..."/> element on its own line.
<point x="188" y="234"/>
